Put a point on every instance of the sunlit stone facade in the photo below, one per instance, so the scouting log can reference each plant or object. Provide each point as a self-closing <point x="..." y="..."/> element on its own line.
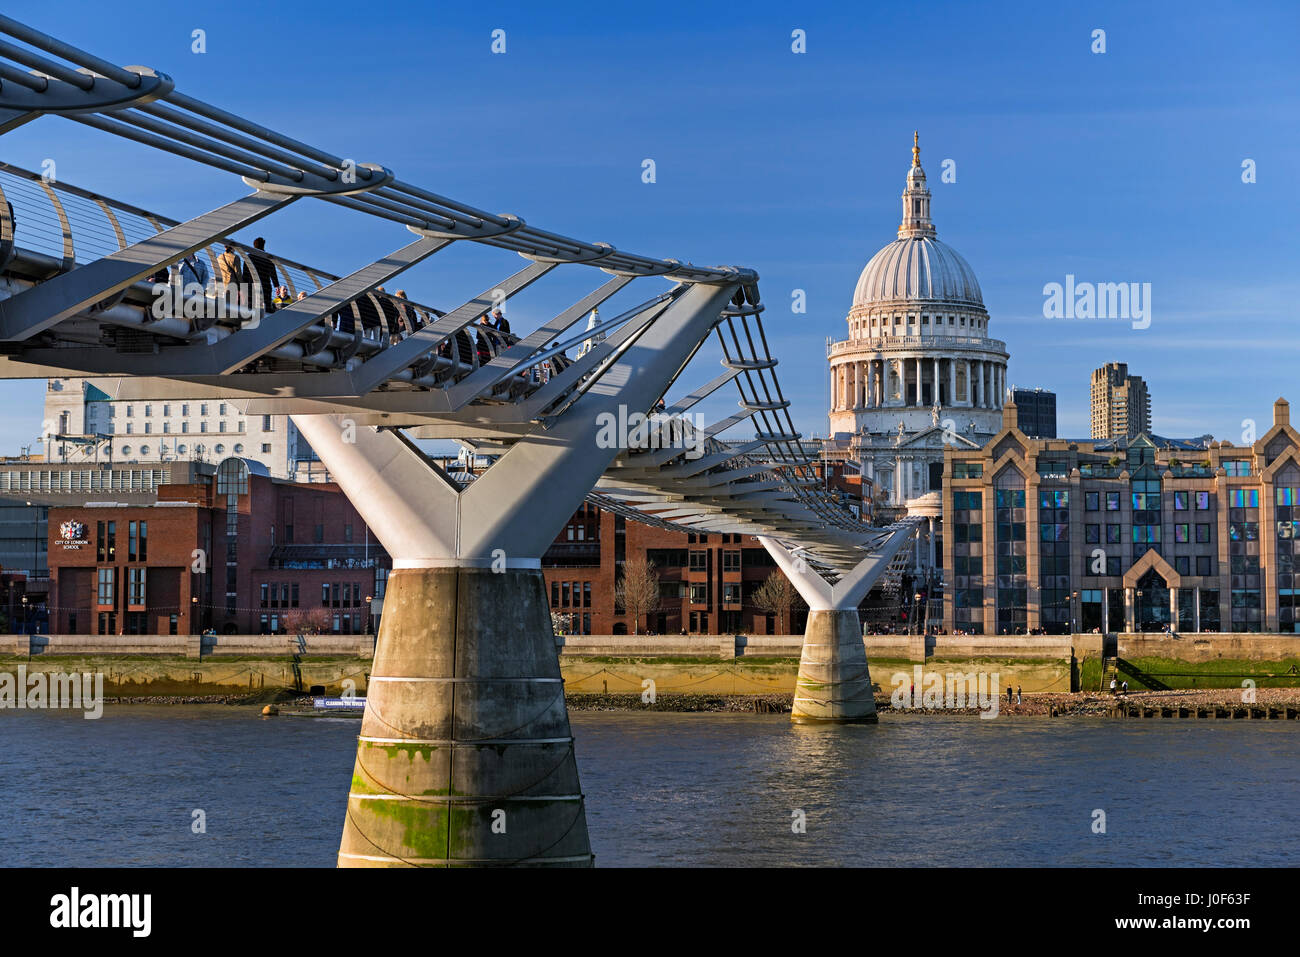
<point x="918" y="371"/>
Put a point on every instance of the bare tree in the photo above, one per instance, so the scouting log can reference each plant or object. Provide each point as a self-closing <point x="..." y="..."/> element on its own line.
<point x="778" y="597"/>
<point x="638" y="590"/>
<point x="306" y="621"/>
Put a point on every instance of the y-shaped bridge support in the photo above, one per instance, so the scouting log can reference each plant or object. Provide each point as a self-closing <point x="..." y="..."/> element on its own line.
<point x="834" y="682"/>
<point x="465" y="755"/>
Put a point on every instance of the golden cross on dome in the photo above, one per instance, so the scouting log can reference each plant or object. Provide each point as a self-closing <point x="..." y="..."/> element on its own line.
<point x="916" y="148"/>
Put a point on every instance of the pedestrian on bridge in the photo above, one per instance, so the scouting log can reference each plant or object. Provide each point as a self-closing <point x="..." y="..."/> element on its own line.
<point x="500" y="322"/>
<point x="483" y="343"/>
<point x="410" y="317"/>
<point x="231" y="270"/>
<point x="267" y="277"/>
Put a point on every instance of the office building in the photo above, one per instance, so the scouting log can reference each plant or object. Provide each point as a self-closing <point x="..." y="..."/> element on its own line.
<point x="1121" y="404"/>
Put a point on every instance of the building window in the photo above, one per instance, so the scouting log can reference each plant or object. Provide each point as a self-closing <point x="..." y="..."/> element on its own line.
<point x="347" y="532"/>
<point x="1112" y="501"/>
<point x="1180" y="501"/>
<point x="1180" y="536"/>
<point x="731" y="561"/>
<point x="1202" y="501"/>
<point x="1091" y="501"/>
<point x="1205" y="565"/>
<point x="1202" y="533"/>
<point x="699" y="561"/>
<point x="135" y="579"/>
<point x="105" y="541"/>
<point x="1244" y="498"/>
<point x="266" y="423"/>
<point x="106" y="593"/>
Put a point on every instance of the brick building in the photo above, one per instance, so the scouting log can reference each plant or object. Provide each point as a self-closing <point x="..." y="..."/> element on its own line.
<point x="1124" y="535"/>
<point x="237" y="551"/>
<point x="706" y="582"/>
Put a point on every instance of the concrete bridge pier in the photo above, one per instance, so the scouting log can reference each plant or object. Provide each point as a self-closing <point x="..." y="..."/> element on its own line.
<point x="834" y="683"/>
<point x="465" y="756"/>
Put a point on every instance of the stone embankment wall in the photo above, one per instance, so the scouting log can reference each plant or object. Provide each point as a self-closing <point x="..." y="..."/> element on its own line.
<point x="757" y="664"/>
<point x="148" y="665"/>
<point x="676" y="664"/>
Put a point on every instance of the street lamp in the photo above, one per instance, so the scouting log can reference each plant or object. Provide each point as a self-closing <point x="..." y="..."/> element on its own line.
<point x="25" y="622"/>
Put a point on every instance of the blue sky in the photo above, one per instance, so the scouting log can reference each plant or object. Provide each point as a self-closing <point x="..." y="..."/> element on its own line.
<point x="1115" y="167"/>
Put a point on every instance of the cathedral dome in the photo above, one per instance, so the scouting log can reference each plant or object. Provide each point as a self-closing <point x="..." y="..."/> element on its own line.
<point x="917" y="267"/>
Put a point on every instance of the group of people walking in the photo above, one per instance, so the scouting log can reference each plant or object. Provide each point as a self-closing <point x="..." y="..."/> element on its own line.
<point x="240" y="278"/>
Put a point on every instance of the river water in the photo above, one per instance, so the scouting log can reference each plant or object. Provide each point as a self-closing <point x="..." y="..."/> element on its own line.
<point x="680" y="789"/>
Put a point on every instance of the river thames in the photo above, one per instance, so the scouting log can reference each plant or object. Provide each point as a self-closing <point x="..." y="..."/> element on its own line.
<point x="680" y="789"/>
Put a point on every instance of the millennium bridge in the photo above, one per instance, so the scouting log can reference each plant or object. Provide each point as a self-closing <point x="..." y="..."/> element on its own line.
<point x="465" y="755"/>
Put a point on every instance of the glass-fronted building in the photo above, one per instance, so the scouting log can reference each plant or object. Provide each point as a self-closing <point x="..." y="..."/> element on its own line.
<point x="1123" y="535"/>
